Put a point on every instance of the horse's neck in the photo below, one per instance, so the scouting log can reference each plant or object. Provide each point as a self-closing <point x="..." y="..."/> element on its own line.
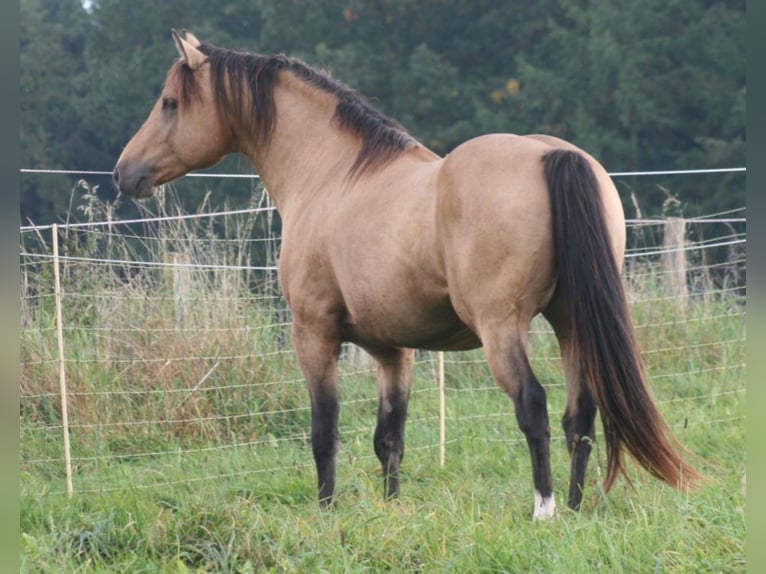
<point x="308" y="150"/>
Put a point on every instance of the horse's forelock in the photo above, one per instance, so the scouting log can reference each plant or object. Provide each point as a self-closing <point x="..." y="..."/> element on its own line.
<point x="182" y="78"/>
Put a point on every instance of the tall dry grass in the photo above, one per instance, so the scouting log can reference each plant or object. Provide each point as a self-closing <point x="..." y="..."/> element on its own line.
<point x="192" y="347"/>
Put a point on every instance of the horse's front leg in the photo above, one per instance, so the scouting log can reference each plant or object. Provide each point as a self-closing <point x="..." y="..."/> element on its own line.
<point x="395" y="368"/>
<point x="318" y="355"/>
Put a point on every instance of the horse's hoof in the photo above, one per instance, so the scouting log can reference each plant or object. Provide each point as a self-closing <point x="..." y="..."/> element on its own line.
<point x="545" y="507"/>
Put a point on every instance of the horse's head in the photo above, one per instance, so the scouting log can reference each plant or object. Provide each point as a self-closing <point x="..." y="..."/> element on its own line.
<point x="183" y="131"/>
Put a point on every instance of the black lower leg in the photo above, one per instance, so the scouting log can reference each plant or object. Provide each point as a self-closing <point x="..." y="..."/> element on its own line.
<point x="580" y="433"/>
<point x="324" y="441"/>
<point x="532" y="416"/>
<point x="389" y="440"/>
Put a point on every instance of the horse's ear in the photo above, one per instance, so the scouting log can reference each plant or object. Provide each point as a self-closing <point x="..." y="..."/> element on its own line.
<point x="191" y="56"/>
<point x="191" y="38"/>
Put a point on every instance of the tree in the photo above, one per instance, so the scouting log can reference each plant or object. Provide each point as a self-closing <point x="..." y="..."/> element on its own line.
<point x="641" y="85"/>
<point x="646" y="86"/>
<point x="52" y="44"/>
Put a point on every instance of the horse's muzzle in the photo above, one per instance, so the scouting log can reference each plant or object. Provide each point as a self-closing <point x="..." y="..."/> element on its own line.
<point x="135" y="182"/>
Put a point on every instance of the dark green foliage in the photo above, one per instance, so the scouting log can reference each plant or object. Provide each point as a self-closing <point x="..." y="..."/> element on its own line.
<point x="645" y="85"/>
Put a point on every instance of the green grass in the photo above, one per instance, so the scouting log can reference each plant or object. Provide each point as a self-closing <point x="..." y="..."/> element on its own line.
<point x="191" y="451"/>
<point x="471" y="516"/>
<point x="226" y="509"/>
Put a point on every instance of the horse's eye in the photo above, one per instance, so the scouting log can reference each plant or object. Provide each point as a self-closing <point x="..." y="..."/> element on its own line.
<point x="169" y="104"/>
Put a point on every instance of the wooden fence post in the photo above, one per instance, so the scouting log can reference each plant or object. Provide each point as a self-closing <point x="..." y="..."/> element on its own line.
<point x="442" y="410"/>
<point x="358" y="358"/>
<point x="674" y="263"/>
<point x="179" y="280"/>
<point x="62" y="361"/>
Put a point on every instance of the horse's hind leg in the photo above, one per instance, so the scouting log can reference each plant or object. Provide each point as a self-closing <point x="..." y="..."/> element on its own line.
<point x="508" y="361"/>
<point x="394" y="380"/>
<point x="580" y="413"/>
<point x="578" y="423"/>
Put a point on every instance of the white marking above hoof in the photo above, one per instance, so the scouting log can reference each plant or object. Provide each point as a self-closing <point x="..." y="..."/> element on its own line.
<point x="545" y="507"/>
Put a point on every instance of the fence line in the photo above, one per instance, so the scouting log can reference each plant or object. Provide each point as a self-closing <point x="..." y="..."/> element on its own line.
<point x="158" y="219"/>
<point x="194" y="174"/>
<point x="725" y="241"/>
<point x="271" y="208"/>
<point x="159" y="264"/>
<point x="686" y="248"/>
<point x="143" y="342"/>
<point x="174" y="265"/>
<point x="256" y="176"/>
<point x="677" y="172"/>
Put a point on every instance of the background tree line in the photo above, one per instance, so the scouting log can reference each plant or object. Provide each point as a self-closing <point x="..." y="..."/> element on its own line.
<point x="641" y="84"/>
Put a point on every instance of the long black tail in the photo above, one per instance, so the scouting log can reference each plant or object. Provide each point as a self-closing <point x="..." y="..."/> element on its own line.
<point x="603" y="337"/>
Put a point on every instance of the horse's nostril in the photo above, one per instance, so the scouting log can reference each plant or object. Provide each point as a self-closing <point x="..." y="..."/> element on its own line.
<point x="116" y="177"/>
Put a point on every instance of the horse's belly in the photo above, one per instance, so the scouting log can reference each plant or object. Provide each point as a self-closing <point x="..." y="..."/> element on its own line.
<point x="461" y="339"/>
<point x="430" y="328"/>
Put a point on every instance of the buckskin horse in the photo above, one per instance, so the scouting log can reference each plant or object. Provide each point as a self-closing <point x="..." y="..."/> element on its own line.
<point x="394" y="248"/>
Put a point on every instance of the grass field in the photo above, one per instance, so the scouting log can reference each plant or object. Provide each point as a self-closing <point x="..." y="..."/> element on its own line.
<point x="191" y="451"/>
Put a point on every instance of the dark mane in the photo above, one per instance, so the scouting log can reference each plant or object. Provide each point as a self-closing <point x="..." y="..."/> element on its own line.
<point x="239" y="77"/>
